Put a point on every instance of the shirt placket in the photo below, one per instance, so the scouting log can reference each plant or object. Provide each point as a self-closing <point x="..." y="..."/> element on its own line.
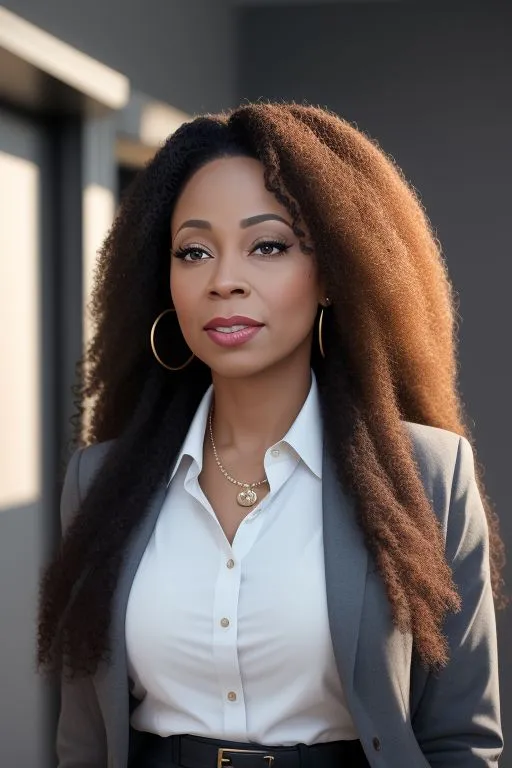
<point x="225" y="625"/>
<point x="226" y="596"/>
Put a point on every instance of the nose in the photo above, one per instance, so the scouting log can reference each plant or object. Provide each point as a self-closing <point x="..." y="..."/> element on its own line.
<point x="227" y="279"/>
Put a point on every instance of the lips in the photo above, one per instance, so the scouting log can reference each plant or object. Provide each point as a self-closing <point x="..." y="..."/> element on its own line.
<point x="232" y="332"/>
<point x="231" y="324"/>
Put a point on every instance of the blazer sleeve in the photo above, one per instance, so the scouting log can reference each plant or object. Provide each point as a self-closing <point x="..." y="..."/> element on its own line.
<point x="81" y="739"/>
<point x="456" y="715"/>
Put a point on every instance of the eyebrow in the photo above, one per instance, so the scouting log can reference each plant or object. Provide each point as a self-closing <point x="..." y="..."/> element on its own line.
<point x="263" y="217"/>
<point x="250" y="222"/>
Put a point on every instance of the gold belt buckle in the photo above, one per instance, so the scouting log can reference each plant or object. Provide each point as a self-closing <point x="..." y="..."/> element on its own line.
<point x="222" y="761"/>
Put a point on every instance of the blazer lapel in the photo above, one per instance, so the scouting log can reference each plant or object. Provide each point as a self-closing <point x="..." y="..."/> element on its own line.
<point x="346" y="562"/>
<point x="111" y="680"/>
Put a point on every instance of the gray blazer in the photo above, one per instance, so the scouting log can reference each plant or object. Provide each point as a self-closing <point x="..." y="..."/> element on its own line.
<point x="406" y="717"/>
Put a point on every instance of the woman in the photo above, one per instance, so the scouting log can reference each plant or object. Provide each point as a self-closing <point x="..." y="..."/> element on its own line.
<point x="276" y="548"/>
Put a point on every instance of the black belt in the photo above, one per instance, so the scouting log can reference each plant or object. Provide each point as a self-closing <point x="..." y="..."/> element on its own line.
<point x="198" y="752"/>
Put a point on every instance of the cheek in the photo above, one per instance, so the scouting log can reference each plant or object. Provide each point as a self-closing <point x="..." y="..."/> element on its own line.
<point x="181" y="289"/>
<point x="174" y="282"/>
<point x="183" y="300"/>
<point x="298" y="290"/>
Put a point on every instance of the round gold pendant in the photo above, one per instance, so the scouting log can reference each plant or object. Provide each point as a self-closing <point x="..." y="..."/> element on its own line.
<point x="247" y="497"/>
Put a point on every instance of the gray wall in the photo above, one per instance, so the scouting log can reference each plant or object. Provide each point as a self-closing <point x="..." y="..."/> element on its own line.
<point x="433" y="86"/>
<point x="27" y="710"/>
<point x="180" y="51"/>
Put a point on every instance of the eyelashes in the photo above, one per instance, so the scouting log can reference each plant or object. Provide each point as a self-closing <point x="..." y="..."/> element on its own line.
<point x="281" y="246"/>
<point x="182" y="253"/>
<point x="203" y="255"/>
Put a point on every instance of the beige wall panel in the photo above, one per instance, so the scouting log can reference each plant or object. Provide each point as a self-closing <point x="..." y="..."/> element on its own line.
<point x="19" y="332"/>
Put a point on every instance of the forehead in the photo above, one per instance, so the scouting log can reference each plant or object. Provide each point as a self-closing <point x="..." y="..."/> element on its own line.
<point x="226" y="189"/>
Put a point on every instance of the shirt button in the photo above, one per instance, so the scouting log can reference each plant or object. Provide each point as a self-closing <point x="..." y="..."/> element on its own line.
<point x="232" y="696"/>
<point x="230" y="564"/>
<point x="376" y="744"/>
<point x="224" y="622"/>
<point x="275" y="452"/>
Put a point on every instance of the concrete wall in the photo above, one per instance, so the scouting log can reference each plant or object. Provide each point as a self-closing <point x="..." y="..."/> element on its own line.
<point x="179" y="51"/>
<point x="432" y="85"/>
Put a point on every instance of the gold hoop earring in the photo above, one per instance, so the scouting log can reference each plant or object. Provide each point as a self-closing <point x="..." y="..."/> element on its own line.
<point x="320" y="328"/>
<point x="152" y="339"/>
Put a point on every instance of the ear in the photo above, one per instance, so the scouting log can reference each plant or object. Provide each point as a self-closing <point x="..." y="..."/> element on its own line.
<point x="322" y="292"/>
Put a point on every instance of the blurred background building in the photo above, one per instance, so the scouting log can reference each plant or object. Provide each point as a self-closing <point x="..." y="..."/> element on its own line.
<point x="89" y="89"/>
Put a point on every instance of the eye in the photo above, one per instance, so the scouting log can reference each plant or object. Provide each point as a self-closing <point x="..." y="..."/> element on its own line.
<point x="191" y="253"/>
<point x="269" y="248"/>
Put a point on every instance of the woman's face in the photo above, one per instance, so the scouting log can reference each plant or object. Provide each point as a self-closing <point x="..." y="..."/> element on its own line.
<point x="245" y="294"/>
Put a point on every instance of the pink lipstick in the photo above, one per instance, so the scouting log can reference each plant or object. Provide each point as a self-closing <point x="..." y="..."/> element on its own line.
<point x="232" y="331"/>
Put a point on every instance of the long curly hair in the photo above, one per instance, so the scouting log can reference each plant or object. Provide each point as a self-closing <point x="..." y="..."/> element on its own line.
<point x="390" y="336"/>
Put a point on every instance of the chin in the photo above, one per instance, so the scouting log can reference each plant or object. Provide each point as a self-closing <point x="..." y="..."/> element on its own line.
<point x="239" y="369"/>
<point x="234" y="371"/>
<point x="243" y="369"/>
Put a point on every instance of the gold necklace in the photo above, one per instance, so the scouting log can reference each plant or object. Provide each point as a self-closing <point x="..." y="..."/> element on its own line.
<point x="248" y="496"/>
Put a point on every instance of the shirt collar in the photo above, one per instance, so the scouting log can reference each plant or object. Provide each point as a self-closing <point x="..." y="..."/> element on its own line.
<point x="305" y="436"/>
<point x="193" y="444"/>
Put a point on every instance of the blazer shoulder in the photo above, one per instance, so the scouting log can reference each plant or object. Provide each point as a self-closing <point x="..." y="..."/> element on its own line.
<point x="91" y="459"/>
<point x="435" y="449"/>
<point x="81" y="469"/>
<point x="432" y="440"/>
<point x="435" y="452"/>
<point x="444" y="460"/>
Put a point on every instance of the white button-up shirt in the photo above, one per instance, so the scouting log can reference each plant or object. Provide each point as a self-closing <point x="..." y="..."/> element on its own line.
<point x="232" y="641"/>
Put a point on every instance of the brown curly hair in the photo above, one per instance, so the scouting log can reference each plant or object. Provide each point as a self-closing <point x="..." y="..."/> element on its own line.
<point x="391" y="340"/>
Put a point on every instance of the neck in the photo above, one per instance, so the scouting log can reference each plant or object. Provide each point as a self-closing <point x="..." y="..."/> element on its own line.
<point x="253" y="413"/>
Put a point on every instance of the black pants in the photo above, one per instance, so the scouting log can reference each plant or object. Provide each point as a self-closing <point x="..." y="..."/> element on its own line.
<point x="150" y="751"/>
